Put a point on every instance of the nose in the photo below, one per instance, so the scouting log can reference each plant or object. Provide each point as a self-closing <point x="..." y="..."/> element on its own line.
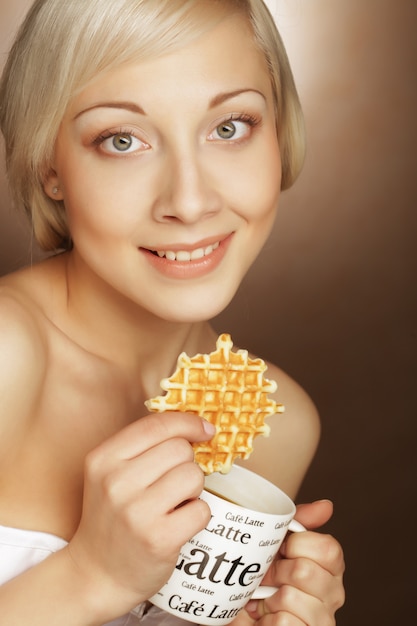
<point x="187" y="192"/>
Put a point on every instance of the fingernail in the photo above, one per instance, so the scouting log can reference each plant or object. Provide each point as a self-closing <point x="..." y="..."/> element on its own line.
<point x="209" y="428"/>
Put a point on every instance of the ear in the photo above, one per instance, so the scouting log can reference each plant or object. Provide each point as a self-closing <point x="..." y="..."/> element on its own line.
<point x="52" y="187"/>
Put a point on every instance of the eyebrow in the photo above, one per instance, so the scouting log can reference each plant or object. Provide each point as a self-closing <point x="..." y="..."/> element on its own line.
<point x="135" y="108"/>
<point x="127" y="106"/>
<point x="228" y="95"/>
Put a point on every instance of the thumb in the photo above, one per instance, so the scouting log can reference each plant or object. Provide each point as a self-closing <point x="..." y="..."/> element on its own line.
<point x="314" y="514"/>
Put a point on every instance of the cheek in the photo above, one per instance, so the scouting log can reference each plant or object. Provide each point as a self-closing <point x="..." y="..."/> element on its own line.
<point x="256" y="184"/>
<point x="269" y="169"/>
<point x="101" y="204"/>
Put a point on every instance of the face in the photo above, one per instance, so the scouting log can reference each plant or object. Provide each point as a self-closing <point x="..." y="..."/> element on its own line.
<point x="170" y="173"/>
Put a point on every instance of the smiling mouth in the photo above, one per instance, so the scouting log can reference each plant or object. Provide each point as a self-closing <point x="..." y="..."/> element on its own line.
<point x="186" y="256"/>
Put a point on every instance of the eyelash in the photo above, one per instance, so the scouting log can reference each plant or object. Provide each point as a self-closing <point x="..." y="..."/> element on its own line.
<point x="247" y="118"/>
<point x="251" y="120"/>
<point x="108" y="134"/>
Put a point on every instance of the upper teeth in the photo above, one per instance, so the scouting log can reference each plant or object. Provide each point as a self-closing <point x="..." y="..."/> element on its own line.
<point x="184" y="255"/>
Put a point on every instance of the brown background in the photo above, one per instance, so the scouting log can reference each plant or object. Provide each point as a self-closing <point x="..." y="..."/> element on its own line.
<point x="332" y="297"/>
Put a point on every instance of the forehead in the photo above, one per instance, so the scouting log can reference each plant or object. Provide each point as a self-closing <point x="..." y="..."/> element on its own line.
<point x="224" y="58"/>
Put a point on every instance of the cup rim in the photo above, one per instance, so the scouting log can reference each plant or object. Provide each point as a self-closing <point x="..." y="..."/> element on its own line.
<point x="265" y="491"/>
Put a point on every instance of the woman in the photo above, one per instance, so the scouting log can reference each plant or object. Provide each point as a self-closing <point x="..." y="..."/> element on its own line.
<point x="149" y="143"/>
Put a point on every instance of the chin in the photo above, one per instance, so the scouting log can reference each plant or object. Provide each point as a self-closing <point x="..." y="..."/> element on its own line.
<point x="197" y="309"/>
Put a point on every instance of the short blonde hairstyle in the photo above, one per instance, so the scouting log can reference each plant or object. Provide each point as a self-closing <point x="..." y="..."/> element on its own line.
<point x="62" y="45"/>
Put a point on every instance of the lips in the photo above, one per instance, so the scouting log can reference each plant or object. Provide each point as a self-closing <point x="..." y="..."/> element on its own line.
<point x="187" y="262"/>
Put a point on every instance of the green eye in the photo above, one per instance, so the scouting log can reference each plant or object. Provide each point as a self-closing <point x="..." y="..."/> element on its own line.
<point x="122" y="142"/>
<point x="227" y="130"/>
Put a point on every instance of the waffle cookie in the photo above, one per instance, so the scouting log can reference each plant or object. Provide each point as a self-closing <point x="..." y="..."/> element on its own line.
<point x="227" y="389"/>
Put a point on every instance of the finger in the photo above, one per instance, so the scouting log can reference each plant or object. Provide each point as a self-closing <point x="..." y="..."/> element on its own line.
<point x="128" y="481"/>
<point x="170" y="532"/>
<point x="186" y="521"/>
<point x="322" y="548"/>
<point x="289" y="601"/>
<point x="151" y="430"/>
<point x="142" y="471"/>
<point x="183" y="483"/>
<point x="303" y="573"/>
<point x="314" y="514"/>
<point x="309" y="577"/>
<point x="177" y="512"/>
<point x="283" y="618"/>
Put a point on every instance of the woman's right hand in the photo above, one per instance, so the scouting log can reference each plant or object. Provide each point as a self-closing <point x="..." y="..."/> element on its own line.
<point x="140" y="506"/>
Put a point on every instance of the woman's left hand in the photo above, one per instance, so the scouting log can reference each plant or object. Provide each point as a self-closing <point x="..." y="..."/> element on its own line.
<point x="308" y="573"/>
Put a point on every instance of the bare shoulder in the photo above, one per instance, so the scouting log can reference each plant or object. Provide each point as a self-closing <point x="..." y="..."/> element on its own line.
<point x="298" y="405"/>
<point x="285" y="456"/>
<point x="22" y="363"/>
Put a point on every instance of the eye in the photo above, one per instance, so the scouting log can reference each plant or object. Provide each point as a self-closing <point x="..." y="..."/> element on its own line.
<point x="120" y="143"/>
<point x="227" y="130"/>
<point x="235" y="129"/>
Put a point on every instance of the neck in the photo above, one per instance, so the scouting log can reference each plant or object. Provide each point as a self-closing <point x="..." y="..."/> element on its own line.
<point x="108" y="325"/>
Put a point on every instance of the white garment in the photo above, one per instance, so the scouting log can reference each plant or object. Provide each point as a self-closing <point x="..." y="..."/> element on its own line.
<point x="22" y="549"/>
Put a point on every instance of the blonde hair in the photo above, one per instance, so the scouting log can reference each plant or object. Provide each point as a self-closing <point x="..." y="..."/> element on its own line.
<point x="61" y="46"/>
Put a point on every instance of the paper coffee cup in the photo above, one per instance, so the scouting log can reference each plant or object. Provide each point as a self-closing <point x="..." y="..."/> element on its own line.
<point x="220" y="568"/>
